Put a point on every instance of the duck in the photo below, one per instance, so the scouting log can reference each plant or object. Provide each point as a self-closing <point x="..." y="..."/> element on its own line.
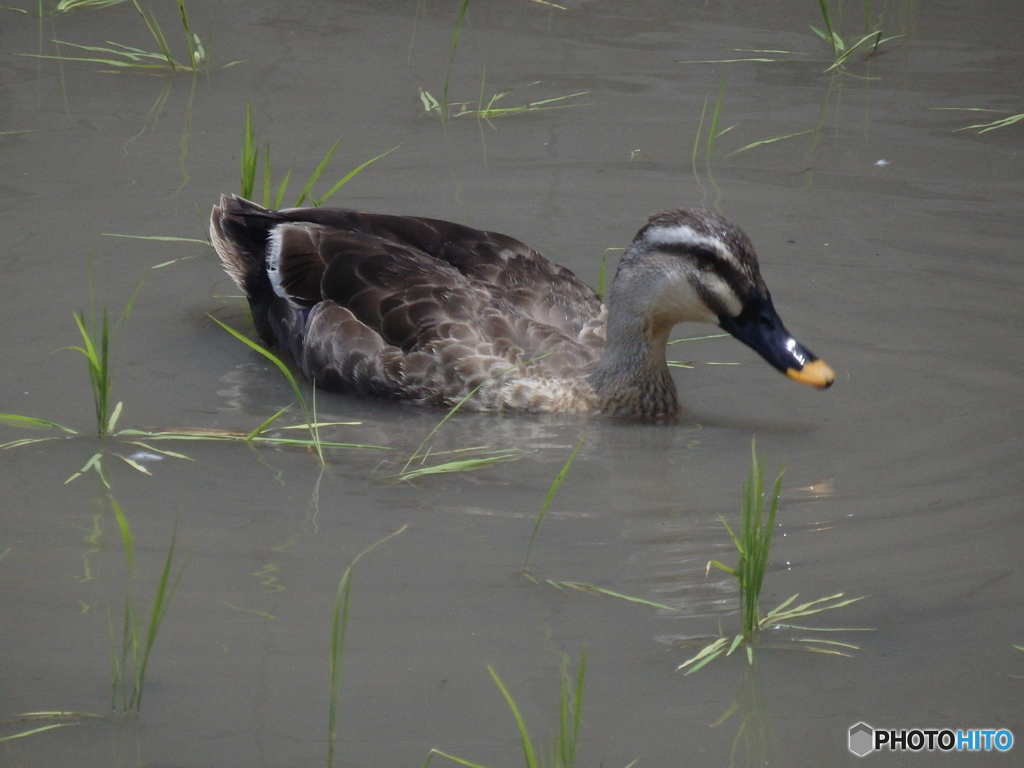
<point x="431" y="312"/>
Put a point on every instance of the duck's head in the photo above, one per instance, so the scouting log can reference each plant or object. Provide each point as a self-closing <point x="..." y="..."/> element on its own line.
<point x="689" y="265"/>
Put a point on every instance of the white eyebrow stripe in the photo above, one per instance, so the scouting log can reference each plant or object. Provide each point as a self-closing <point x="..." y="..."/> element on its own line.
<point x="684" y="234"/>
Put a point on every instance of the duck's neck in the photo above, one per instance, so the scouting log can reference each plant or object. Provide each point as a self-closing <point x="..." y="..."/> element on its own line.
<point x="632" y="378"/>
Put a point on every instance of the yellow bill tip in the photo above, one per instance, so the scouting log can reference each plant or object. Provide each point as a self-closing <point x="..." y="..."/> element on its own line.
<point x="817" y="373"/>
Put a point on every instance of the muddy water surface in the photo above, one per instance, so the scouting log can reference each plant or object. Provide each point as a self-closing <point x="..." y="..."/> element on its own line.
<point x="890" y="240"/>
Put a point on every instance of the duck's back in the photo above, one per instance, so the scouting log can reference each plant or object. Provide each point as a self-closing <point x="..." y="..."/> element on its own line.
<point x="413" y="308"/>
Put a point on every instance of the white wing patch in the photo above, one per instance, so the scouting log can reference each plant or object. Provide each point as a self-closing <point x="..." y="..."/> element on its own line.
<point x="274" y="245"/>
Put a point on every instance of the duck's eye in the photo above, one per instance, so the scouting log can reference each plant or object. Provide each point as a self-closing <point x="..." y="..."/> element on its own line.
<point x="704" y="254"/>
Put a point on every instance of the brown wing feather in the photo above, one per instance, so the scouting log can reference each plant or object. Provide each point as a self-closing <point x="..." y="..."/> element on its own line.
<point x="411" y="308"/>
<point x="523" y="278"/>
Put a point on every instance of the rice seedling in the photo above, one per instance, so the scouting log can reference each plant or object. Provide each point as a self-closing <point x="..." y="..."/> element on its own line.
<point x="753" y="541"/>
<point x="96" y="350"/>
<point x="595" y="590"/>
<point x="842" y="50"/>
<point x="131" y="648"/>
<point x="481" y="455"/>
<point x="771" y="140"/>
<point x="339" y="634"/>
<point x="65" y="6"/>
<point x="446" y="109"/>
<point x="712" y="133"/>
<point x="708" y="145"/>
<point x="476" y="457"/>
<point x="489" y="109"/>
<point x="765" y="56"/>
<point x="97" y="355"/>
<point x="72" y="718"/>
<point x="258" y="436"/>
<point x="459" y="19"/>
<point x="555" y="485"/>
<point x="565" y="739"/>
<point x="29" y="422"/>
<point x="1003" y="122"/>
<point x="164" y="239"/>
<point x="130" y="58"/>
<point x="573" y="585"/>
<point x="250" y="162"/>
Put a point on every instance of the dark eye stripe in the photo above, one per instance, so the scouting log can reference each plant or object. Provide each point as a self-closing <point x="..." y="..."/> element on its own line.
<point x="707" y="260"/>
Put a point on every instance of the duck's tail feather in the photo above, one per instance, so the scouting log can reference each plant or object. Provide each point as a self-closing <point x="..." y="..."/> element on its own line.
<point x="239" y="230"/>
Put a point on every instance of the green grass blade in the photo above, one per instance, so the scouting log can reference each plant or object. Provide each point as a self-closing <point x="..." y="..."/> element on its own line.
<point x="418" y="453"/>
<point x="32" y="731"/>
<point x="316" y="173"/>
<point x="282" y="188"/>
<point x="451" y="57"/>
<point x="126" y="534"/>
<point x="602" y="275"/>
<point x="570" y="711"/>
<point x="28" y="422"/>
<point x="771" y="140"/>
<point x="262" y="427"/>
<point x="715" y="116"/>
<point x="194" y="47"/>
<point x="348" y="176"/>
<point x="550" y="496"/>
<point x="166" y="588"/>
<point x="529" y="756"/>
<point x="161" y="451"/>
<point x="137" y="466"/>
<point x="581" y="587"/>
<point x="453" y="758"/>
<point x="250" y="155"/>
<point x="339" y="634"/>
<point x="705" y="655"/>
<point x="280" y="365"/>
<point x="465" y="465"/>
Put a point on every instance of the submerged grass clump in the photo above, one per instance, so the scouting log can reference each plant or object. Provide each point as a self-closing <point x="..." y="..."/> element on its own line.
<point x="753" y="540"/>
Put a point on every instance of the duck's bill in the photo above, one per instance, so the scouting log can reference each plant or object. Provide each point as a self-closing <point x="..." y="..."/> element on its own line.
<point x="761" y="329"/>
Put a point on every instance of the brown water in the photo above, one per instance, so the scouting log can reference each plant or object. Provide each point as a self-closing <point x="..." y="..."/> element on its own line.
<point x="892" y="245"/>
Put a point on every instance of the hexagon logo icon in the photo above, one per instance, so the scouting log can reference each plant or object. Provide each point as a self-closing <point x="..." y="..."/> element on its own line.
<point x="861" y="739"/>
